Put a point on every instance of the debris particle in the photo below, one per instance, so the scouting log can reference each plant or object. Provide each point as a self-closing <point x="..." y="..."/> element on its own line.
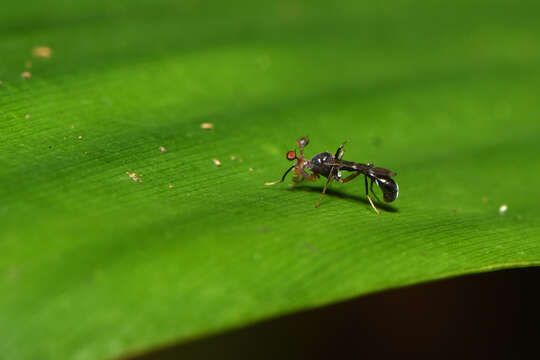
<point x="26" y="75"/>
<point x="233" y="157"/>
<point x="241" y="159"/>
<point x="171" y="186"/>
<point x="28" y="64"/>
<point x="79" y="137"/>
<point x="42" y="51"/>
<point x="162" y="149"/>
<point x="484" y="199"/>
<point x="27" y="116"/>
<point x="503" y="209"/>
<point x="73" y="126"/>
<point x="207" y="126"/>
<point x="133" y="176"/>
<point x="13" y="273"/>
<point x="250" y="169"/>
<point x="216" y="162"/>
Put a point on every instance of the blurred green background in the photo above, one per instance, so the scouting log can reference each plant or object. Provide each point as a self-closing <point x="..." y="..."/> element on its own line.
<point x="96" y="265"/>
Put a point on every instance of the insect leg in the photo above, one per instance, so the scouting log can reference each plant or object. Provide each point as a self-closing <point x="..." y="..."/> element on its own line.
<point x="330" y="177"/>
<point x="369" y="198"/>
<point x="282" y="178"/>
<point x="339" y="152"/>
<point x="300" y="172"/>
<point x="371" y="188"/>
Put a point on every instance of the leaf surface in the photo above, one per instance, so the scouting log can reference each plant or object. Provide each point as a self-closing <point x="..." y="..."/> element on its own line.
<point x="96" y="265"/>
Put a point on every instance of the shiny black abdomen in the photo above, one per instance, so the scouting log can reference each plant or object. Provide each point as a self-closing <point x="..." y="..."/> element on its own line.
<point x="317" y="163"/>
<point x="388" y="187"/>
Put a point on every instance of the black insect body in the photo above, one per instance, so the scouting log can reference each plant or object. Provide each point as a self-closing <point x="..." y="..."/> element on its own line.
<point x="331" y="166"/>
<point x="380" y="176"/>
<point x="389" y="187"/>
<point x="319" y="163"/>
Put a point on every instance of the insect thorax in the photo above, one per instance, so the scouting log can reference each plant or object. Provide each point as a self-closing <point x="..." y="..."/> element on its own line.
<point x="318" y="163"/>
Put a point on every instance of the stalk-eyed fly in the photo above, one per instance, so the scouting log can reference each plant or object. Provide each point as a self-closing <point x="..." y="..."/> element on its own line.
<point x="331" y="165"/>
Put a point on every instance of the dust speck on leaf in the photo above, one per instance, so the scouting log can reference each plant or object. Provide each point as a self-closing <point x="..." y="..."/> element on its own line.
<point x="162" y="149"/>
<point x="133" y="176"/>
<point x="13" y="273"/>
<point x="233" y="157"/>
<point x="250" y="169"/>
<point x="171" y="186"/>
<point x="207" y="126"/>
<point x="27" y="116"/>
<point x="26" y="75"/>
<point x="79" y="137"/>
<point x="42" y="51"/>
<point x="503" y="208"/>
<point x="216" y="162"/>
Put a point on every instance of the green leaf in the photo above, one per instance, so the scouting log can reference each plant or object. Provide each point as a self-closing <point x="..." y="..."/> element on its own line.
<point x="96" y="265"/>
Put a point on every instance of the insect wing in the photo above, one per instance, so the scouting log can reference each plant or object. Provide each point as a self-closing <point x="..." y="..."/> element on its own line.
<point x="382" y="172"/>
<point x="349" y="166"/>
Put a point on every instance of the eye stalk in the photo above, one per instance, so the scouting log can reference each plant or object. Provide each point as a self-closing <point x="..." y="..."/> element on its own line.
<point x="291" y="155"/>
<point x="302" y="142"/>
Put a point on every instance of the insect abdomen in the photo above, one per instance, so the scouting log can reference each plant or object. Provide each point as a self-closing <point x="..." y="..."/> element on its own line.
<point x="389" y="188"/>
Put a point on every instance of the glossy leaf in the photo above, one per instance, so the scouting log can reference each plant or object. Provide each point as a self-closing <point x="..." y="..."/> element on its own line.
<point x="118" y="231"/>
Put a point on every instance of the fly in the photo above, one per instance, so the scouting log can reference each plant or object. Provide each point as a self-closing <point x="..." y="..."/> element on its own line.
<point x="331" y="166"/>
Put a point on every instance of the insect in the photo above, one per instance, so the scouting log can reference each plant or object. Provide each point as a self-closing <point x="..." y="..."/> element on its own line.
<point x="331" y="166"/>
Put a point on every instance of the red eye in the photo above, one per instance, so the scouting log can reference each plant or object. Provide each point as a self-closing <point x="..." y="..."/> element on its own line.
<point x="291" y="155"/>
